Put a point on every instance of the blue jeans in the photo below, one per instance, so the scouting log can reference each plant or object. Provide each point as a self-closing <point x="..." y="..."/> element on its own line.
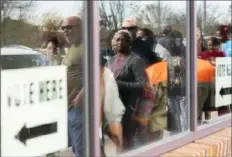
<point x="76" y="130"/>
<point x="179" y="108"/>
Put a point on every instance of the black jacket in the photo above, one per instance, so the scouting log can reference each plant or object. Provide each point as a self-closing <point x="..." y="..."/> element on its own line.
<point x="142" y="49"/>
<point x="131" y="80"/>
<point x="179" y="73"/>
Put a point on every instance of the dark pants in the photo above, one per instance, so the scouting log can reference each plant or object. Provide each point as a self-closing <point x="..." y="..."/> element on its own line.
<point x="128" y="131"/>
<point x="224" y="110"/>
<point x="156" y="136"/>
<point x="141" y="137"/>
<point x="76" y="130"/>
<point x="134" y="134"/>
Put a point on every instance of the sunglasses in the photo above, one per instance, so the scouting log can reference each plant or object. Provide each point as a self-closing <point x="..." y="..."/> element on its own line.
<point x="69" y="27"/>
<point x="129" y="28"/>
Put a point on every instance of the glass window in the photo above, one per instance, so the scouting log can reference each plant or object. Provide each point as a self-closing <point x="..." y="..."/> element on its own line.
<point x="142" y="63"/>
<point x="48" y="33"/>
<point x="214" y="60"/>
<point x="144" y="46"/>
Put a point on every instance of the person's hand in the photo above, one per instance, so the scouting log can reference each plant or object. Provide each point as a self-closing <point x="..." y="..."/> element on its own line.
<point x="79" y="98"/>
<point x="213" y="62"/>
<point x="76" y="101"/>
<point x="139" y="120"/>
<point x="177" y="81"/>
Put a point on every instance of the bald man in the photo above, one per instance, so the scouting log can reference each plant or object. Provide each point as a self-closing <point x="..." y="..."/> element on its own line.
<point x="72" y="28"/>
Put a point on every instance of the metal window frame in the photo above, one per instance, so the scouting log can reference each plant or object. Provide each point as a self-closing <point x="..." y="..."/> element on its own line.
<point x="92" y="147"/>
<point x="92" y="78"/>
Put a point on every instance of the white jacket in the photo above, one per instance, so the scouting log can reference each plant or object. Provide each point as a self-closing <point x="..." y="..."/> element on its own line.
<point x="113" y="106"/>
<point x="163" y="52"/>
<point x="166" y="56"/>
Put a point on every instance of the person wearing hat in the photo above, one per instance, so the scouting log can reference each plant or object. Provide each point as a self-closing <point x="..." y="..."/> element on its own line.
<point x="139" y="47"/>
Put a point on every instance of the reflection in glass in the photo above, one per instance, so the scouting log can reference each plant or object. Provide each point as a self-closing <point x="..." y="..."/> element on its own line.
<point x="73" y="60"/>
<point x="39" y="33"/>
<point x="214" y="56"/>
<point x="22" y="61"/>
<point x="153" y="90"/>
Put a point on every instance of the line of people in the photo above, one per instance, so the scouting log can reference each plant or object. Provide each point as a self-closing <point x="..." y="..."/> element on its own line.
<point x="143" y="84"/>
<point x="218" y="45"/>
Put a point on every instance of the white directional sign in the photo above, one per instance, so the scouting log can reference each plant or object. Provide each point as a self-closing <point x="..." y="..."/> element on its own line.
<point x="33" y="111"/>
<point x="223" y="80"/>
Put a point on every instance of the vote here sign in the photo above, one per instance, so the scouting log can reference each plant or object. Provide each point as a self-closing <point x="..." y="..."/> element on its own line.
<point x="33" y="111"/>
<point x="223" y="84"/>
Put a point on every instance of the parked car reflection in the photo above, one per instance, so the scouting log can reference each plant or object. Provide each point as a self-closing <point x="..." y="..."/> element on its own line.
<point x="17" y="57"/>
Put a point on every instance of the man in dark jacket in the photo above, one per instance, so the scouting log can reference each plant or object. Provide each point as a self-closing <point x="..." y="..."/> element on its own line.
<point x="139" y="47"/>
<point x="178" y="109"/>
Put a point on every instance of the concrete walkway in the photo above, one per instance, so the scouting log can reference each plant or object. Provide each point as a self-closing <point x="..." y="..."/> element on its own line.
<point x="109" y="148"/>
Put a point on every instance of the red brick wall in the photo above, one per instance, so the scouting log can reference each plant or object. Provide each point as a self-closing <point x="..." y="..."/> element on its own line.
<point x="215" y="145"/>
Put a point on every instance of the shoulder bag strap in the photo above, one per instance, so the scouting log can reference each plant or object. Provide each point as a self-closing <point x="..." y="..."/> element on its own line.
<point x="128" y="61"/>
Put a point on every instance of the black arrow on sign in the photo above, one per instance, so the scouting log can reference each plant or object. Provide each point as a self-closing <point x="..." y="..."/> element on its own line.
<point x="225" y="91"/>
<point x="29" y="133"/>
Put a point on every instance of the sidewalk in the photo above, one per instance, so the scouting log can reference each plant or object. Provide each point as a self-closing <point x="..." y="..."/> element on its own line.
<point x="109" y="148"/>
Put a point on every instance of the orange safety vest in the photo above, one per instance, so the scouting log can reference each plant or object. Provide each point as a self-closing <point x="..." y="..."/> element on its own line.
<point x="205" y="71"/>
<point x="158" y="72"/>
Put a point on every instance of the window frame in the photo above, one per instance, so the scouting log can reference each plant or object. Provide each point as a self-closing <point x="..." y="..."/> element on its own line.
<point x="92" y="146"/>
<point x="91" y="78"/>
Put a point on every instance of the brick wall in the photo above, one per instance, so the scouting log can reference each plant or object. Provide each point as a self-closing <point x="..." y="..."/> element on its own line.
<point x="215" y="145"/>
